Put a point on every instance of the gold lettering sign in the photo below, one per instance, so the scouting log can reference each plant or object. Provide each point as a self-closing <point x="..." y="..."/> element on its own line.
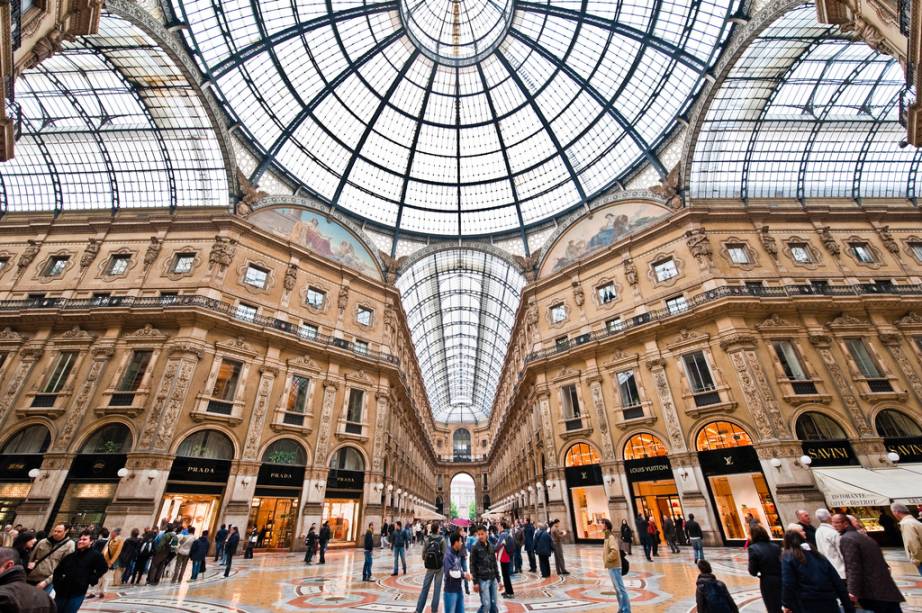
<point x="828" y="453"/>
<point x="274" y="475"/>
<point x="202" y="470"/>
<point x="15" y="466"/>
<point x="906" y="449"/>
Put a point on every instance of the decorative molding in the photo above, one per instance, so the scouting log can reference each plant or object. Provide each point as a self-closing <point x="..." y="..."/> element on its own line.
<point x="659" y="257"/>
<point x="291" y="277"/>
<point x="670" y="187"/>
<point x="39" y="270"/>
<point x="90" y="252"/>
<point x="698" y="244"/>
<point x="259" y="413"/>
<point x="670" y="415"/>
<point x="775" y="322"/>
<point x="75" y="335"/>
<point x="8" y="335"/>
<point x="168" y="402"/>
<point x="102" y="269"/>
<point x="566" y="373"/>
<point x="828" y="241"/>
<point x="815" y="256"/>
<point x="235" y="345"/>
<point x="878" y="259"/>
<point x="751" y="254"/>
<point x="303" y="362"/>
<point x="148" y="331"/>
<point x="167" y="266"/>
<point x="886" y="237"/>
<point x="769" y="242"/>
<point x="27" y="256"/>
<point x="909" y="319"/>
<point x="153" y="250"/>
<point x="845" y="321"/>
<point x="255" y="289"/>
<point x="687" y="337"/>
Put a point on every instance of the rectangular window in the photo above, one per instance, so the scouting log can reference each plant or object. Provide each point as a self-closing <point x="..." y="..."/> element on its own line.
<point x="134" y="372"/>
<point x="606" y="293"/>
<point x="58" y="377"/>
<point x="308" y="331"/>
<point x="558" y="313"/>
<point x="4" y="262"/>
<point x="225" y="387"/>
<point x="297" y="397"/>
<point x="627" y="385"/>
<point x="738" y="253"/>
<point x="245" y="312"/>
<point x="862" y="252"/>
<point x="562" y="343"/>
<point x="56" y="266"/>
<point x="790" y="362"/>
<point x="2" y="360"/>
<point x="863" y="359"/>
<point x="614" y="325"/>
<point x="699" y="375"/>
<point x="665" y="270"/>
<point x="916" y="249"/>
<point x="801" y="253"/>
<point x="118" y="264"/>
<point x="354" y="411"/>
<point x="676" y="304"/>
<point x="364" y="316"/>
<point x="571" y="410"/>
<point x="183" y="262"/>
<point x="316" y="297"/>
<point x="361" y="347"/>
<point x="256" y="276"/>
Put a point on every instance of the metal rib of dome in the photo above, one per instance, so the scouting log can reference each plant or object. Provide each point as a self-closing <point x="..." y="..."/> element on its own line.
<point x="455" y="117"/>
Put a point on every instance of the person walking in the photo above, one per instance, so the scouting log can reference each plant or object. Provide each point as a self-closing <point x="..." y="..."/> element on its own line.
<point x="557" y="538"/>
<point x="324" y="540"/>
<point x="131" y="547"/>
<point x="528" y="534"/>
<point x="76" y="573"/>
<point x="544" y="547"/>
<point x="695" y="537"/>
<point x="385" y="531"/>
<point x="867" y="574"/>
<point x="627" y="536"/>
<point x="163" y="547"/>
<point x="399" y="546"/>
<point x="369" y="546"/>
<point x="653" y="536"/>
<point x="145" y="553"/>
<point x="765" y="563"/>
<point x="803" y="518"/>
<point x="670" y="534"/>
<point x="16" y="595"/>
<point x="711" y="595"/>
<point x="911" y="530"/>
<point x="453" y="574"/>
<point x="484" y="572"/>
<point x="640" y="522"/>
<point x="310" y="543"/>
<point x="680" y="530"/>
<point x="46" y="555"/>
<point x="433" y="560"/>
<point x="197" y="554"/>
<point x="112" y="552"/>
<point x="827" y="541"/>
<point x="518" y="539"/>
<point x="183" y="550"/>
<point x="504" y="554"/>
<point x="220" y="538"/>
<point x="611" y="557"/>
<point x="809" y="583"/>
<point x="252" y="539"/>
<point x="230" y="548"/>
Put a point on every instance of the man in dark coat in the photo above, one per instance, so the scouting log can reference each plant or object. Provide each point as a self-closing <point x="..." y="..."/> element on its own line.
<point x="803" y="518"/>
<point x="866" y="572"/>
<point x="15" y="594"/>
<point x="76" y="573"/>
<point x="325" y="534"/>
<point x="198" y="553"/>
<point x="230" y="548"/>
<point x="544" y="547"/>
<point x="529" y="532"/>
<point x="220" y="538"/>
<point x="641" y="524"/>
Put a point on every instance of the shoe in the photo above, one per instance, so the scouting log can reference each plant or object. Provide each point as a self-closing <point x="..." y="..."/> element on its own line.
<point x="566" y="572"/>
<point x="393" y="574"/>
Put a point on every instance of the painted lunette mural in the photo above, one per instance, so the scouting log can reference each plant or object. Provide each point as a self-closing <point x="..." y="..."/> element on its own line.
<point x="606" y="226"/>
<point x="318" y="234"/>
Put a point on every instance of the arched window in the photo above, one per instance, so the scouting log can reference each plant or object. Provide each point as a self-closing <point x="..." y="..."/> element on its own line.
<point x="814" y="426"/>
<point x="643" y="445"/>
<point x="113" y="438"/>
<point x="285" y="451"/>
<point x="722" y="435"/>
<point x="31" y="439"/>
<point x="461" y="442"/>
<point x="348" y="458"/>
<point x="891" y="423"/>
<point x="582" y="454"/>
<point x="207" y="444"/>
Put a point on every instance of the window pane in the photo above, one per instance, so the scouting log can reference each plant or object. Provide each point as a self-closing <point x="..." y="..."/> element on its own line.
<point x="226" y="385"/>
<point x="297" y="397"/>
<point x="364" y="316"/>
<point x="698" y="373"/>
<point x="863" y="359"/>
<point x="60" y="372"/>
<point x="134" y="372"/>
<point x="738" y="254"/>
<point x="606" y="293"/>
<point x="665" y="270"/>
<point x="256" y="276"/>
<point x="677" y="304"/>
<point x="789" y="361"/>
<point x="315" y="297"/>
<point x="628" y="387"/>
<point x="119" y="264"/>
<point x="800" y="253"/>
<point x="184" y="262"/>
<point x="356" y="398"/>
<point x="558" y="313"/>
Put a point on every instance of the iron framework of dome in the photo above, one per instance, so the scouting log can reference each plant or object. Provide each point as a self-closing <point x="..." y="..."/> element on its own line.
<point x="451" y="117"/>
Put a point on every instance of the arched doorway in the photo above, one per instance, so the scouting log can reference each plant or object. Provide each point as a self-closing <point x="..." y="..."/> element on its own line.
<point x="198" y="480"/>
<point x="652" y="483"/>
<point x="463" y="497"/>
<point x="93" y="478"/>
<point x="342" y="506"/>
<point x="902" y="435"/>
<point x="824" y="441"/>
<point x="21" y="453"/>
<point x="588" y="500"/>
<point x="274" y="508"/>
<point x="735" y="481"/>
<point x="461" y="445"/>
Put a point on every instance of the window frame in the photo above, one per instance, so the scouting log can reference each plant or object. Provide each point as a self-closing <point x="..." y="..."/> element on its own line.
<point x="253" y="281"/>
<point x="657" y="267"/>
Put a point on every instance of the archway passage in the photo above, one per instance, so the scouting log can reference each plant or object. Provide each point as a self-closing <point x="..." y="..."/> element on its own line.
<point x="463" y="497"/>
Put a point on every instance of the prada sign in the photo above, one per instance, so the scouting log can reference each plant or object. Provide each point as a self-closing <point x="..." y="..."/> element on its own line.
<point x="729" y="461"/>
<point x="909" y="449"/>
<point x="352" y="480"/>
<point x="582" y="476"/>
<point x="829" y="453"/>
<point x="648" y="469"/>
<point x="200" y="469"/>
<point x="280" y="475"/>
<point x="16" y="467"/>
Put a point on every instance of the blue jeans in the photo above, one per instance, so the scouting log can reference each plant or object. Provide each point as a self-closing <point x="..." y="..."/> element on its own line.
<point x="427" y="583"/>
<point x="920" y="569"/>
<point x="400" y="553"/>
<point x="128" y="571"/>
<point x="219" y="552"/>
<point x="697" y="548"/>
<point x="624" y="603"/>
<point x="366" y="569"/>
<point x="196" y="569"/>
<point x="454" y="602"/>
<point x="517" y="560"/>
<point x="488" y="597"/>
<point x="69" y="604"/>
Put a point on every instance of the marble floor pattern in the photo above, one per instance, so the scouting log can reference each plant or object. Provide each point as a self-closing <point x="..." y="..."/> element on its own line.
<point x="281" y="582"/>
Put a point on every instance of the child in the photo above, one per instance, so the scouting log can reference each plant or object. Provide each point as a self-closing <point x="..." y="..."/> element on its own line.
<point x="711" y="595"/>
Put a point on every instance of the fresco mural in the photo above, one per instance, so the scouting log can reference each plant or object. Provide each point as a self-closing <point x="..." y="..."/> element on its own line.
<point x="606" y="226"/>
<point x="312" y="230"/>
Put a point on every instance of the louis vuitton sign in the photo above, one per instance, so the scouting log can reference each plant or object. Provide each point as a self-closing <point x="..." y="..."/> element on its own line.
<point x="648" y="469"/>
<point x="729" y="461"/>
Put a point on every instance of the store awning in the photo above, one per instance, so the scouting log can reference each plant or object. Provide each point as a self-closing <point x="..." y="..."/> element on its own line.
<point x="854" y="486"/>
<point x="424" y="513"/>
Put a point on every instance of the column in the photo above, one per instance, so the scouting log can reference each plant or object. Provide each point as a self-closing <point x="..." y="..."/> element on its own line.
<point x="374" y="482"/>
<point x="657" y="367"/>
<point x="316" y="483"/>
<point x="100" y="355"/>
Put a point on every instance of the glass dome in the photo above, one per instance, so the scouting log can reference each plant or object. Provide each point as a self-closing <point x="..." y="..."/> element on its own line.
<point x="450" y="117"/>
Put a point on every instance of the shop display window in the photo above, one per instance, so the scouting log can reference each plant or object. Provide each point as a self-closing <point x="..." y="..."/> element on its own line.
<point x="741" y="499"/>
<point x="274" y="521"/>
<point x="590" y="505"/>
<point x="84" y="504"/>
<point x="342" y="515"/>
<point x="196" y="510"/>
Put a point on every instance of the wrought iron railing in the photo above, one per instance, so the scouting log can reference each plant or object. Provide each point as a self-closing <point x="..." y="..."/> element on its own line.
<point x="16" y="23"/>
<point x="905" y="18"/>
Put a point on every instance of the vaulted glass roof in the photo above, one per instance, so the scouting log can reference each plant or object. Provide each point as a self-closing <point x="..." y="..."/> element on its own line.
<point x="451" y="117"/>
<point x="806" y="112"/>
<point x="460" y="307"/>
<point x="110" y="122"/>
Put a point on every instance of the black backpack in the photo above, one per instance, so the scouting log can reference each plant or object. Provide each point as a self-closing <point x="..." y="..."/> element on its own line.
<point x="432" y="559"/>
<point x="716" y="598"/>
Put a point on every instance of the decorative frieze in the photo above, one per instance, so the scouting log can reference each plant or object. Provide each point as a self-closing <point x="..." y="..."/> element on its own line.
<point x="657" y="368"/>
<point x="258" y="415"/>
<point x="823" y="345"/>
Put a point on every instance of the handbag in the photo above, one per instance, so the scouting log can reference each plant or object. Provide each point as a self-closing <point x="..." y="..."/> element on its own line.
<point x="625" y="564"/>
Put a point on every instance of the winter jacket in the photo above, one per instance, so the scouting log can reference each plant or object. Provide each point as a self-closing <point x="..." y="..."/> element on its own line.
<point x="130" y="549"/>
<point x="693" y="530"/>
<point x="701" y="587"/>
<point x="399" y="538"/>
<point x="185" y="544"/>
<point x="611" y="553"/>
<point x="827" y="544"/>
<point x="199" y="550"/>
<point x="325" y="535"/>
<point x="810" y="531"/>
<point x="483" y="562"/>
<point x="544" y="546"/>
<point x="311" y="541"/>
<point x="866" y="573"/>
<point x="529" y="532"/>
<point x="113" y="550"/>
<point x="641" y="524"/>
<point x="17" y="595"/>
<point x="45" y="568"/>
<point x="369" y="541"/>
<point x="230" y="547"/>
<point x="221" y="536"/>
<point x="627" y="535"/>
<point x="814" y="585"/>
<point x="764" y="559"/>
<point x="911" y="529"/>
<point x="78" y="571"/>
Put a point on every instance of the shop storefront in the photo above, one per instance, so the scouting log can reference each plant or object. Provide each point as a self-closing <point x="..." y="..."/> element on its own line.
<point x="274" y="509"/>
<point x="20" y="454"/>
<point x="735" y="482"/>
<point x="650" y="479"/>
<point x="197" y="481"/>
<point x="92" y="479"/>
<point x="588" y="500"/>
<point x="342" y="506"/>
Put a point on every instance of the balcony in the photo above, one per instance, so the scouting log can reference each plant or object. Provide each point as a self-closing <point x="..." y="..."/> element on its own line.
<point x="121" y="399"/>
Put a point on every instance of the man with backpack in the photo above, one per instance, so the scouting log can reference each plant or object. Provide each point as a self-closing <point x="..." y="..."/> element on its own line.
<point x="484" y="572"/>
<point x="164" y="547"/>
<point x="183" y="551"/>
<point x="433" y="556"/>
<point x="518" y="536"/>
<point x="711" y="595"/>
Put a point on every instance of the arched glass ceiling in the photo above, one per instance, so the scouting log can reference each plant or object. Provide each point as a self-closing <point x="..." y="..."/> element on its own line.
<point x="110" y="122"/>
<point x="460" y="307"/>
<point x="806" y="112"/>
<point x="444" y="118"/>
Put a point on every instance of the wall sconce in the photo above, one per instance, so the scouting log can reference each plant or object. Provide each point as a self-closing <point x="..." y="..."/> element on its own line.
<point x="550" y="484"/>
<point x="776" y="464"/>
<point x="36" y="473"/>
<point x="539" y="486"/>
<point x="390" y="487"/>
<point x="806" y="461"/>
<point x="122" y="472"/>
<point x="152" y="474"/>
<point x="531" y="489"/>
<point x="378" y="487"/>
<point x="892" y="457"/>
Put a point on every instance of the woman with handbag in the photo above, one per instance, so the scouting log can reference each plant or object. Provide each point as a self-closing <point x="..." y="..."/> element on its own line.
<point x="627" y="536"/>
<point x="611" y="556"/>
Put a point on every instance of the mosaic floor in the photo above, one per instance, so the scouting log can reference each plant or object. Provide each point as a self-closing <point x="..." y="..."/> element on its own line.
<point x="281" y="582"/>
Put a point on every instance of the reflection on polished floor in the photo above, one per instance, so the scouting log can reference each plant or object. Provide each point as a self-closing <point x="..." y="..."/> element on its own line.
<point x="281" y="582"/>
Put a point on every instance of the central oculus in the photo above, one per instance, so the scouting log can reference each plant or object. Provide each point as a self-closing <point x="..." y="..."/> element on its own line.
<point x="456" y="32"/>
